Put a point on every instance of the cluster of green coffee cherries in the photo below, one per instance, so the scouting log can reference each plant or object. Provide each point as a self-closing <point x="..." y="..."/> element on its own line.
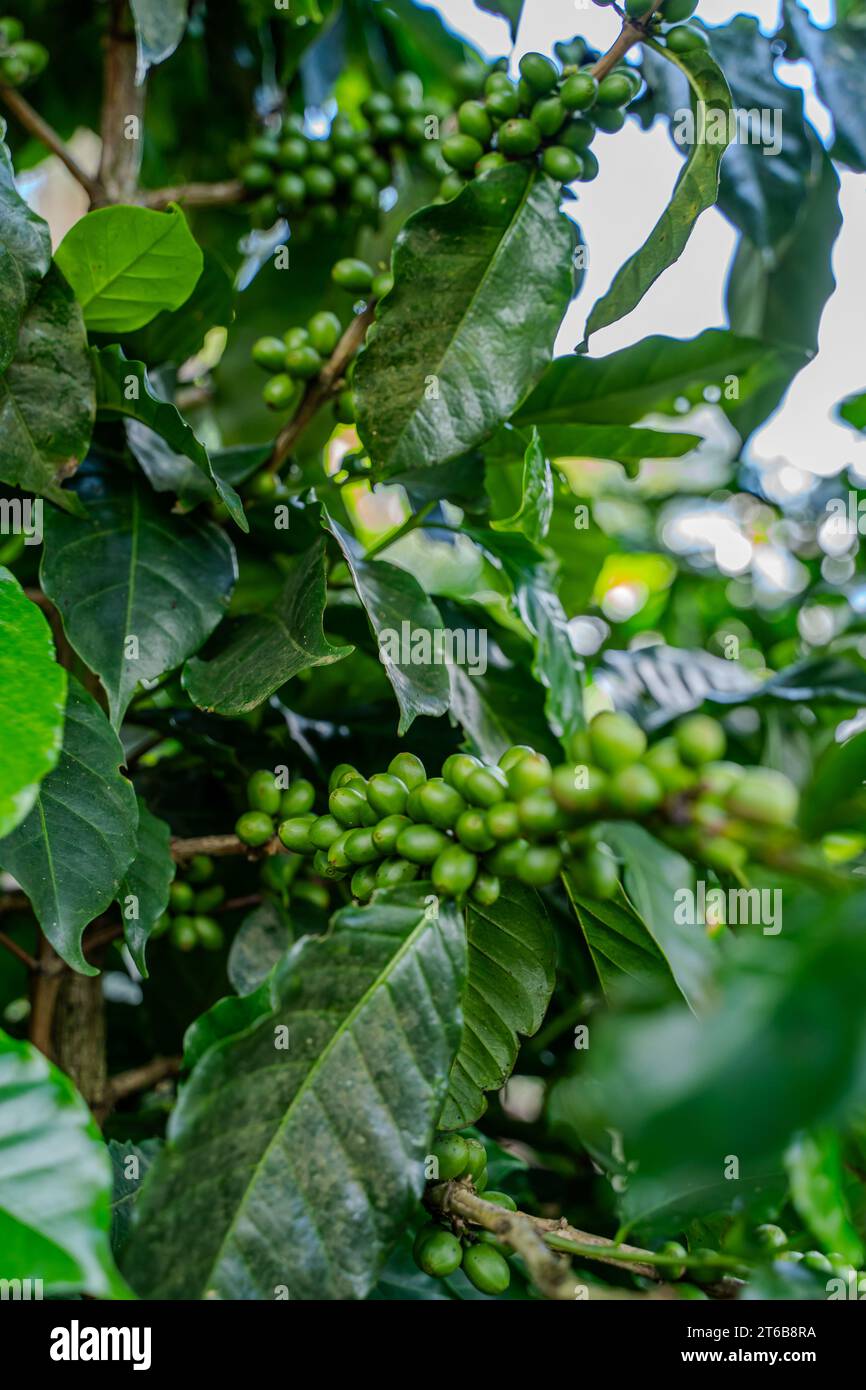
<point x="437" y="1250"/>
<point x="302" y="352"/>
<point x="191" y="900"/>
<point x="21" y="60"/>
<point x="548" y="115"/>
<point x="476" y="824"/>
<point x="341" y="175"/>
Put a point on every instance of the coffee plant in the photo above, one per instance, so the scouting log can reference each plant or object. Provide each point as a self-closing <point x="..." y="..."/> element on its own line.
<point x="432" y="752"/>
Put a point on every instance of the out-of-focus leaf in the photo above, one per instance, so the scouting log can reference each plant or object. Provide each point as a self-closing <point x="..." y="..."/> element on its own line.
<point x="814" y="1164"/>
<point x="261" y="940"/>
<point x="837" y="56"/>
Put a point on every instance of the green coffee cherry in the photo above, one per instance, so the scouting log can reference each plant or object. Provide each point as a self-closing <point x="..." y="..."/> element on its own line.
<point x="539" y="72"/>
<point x="725" y="856"/>
<point x="293" y="152"/>
<point x="440" y="1254"/>
<point x="325" y="868"/>
<point x="386" y="833"/>
<point x="325" y="331"/>
<point x="438" y="802"/>
<point x="462" y="152"/>
<point x="685" y="39"/>
<point x="209" y="898"/>
<point x="11" y="29"/>
<point x="452" y="1156"/>
<point x="387" y="794"/>
<point x="392" y="872"/>
<point x="614" y="90"/>
<point x="771" y="1237"/>
<point x="409" y="769"/>
<point x="209" y="932"/>
<point x="608" y="119"/>
<point x="616" y="740"/>
<point x="539" y="865"/>
<point x="183" y="933"/>
<point x="200" y="868"/>
<point x="663" y="760"/>
<point x="181" y="896"/>
<point x="494" y="160"/>
<point x="548" y="115"/>
<point x="421" y="844"/>
<point x="350" y="807"/>
<point x="263" y="794"/>
<point x="590" y="167"/>
<point x="360" y="846"/>
<point x="256" y="175"/>
<point x="303" y="362"/>
<point x="474" y="120"/>
<point x="477" y="1161"/>
<point x="323" y="832"/>
<point x="675" y="11"/>
<point x="269" y="353"/>
<point x="562" y="164"/>
<point x="503" y="104"/>
<point x="280" y="392"/>
<point x="504" y="861"/>
<point x="764" y="796"/>
<point x="363" y="882"/>
<point x="472" y="831"/>
<point x="454" y="871"/>
<point x="700" y="739"/>
<point x="297" y="799"/>
<point x="531" y="774"/>
<point x="539" y="814"/>
<point x="579" y="790"/>
<point x="518" y="138"/>
<point x="513" y="755"/>
<point x="458" y="768"/>
<point x="673" y="1249"/>
<point x="338" y="857"/>
<point x="578" y="92"/>
<point x="486" y="889"/>
<point x="634" y="790"/>
<point x="501" y="1199"/>
<point x="486" y="786"/>
<point x="383" y="284"/>
<point x="487" y="1269"/>
<point x="452" y="185"/>
<point x="295" y="834"/>
<point x="255" y="828"/>
<point x="342" y="774"/>
<point x="503" y="821"/>
<point x="354" y="275"/>
<point x="578" y="135"/>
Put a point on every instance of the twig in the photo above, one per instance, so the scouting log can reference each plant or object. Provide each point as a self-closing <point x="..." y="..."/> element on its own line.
<point x="218" y="846"/>
<point x="13" y="902"/>
<point x="122" y="110"/>
<point x="322" y="387"/>
<point x="550" y="1275"/>
<point x="43" y="997"/>
<point x="14" y="949"/>
<point x="634" y="31"/>
<point x="126" y="1083"/>
<point x="195" y="195"/>
<point x="47" y="135"/>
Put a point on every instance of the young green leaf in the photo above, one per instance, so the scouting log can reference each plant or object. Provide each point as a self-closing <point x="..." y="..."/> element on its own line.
<point x="32" y="702"/>
<point x="72" y="851"/>
<point x="126" y="264"/>
<point x="512" y="970"/>
<point x="262" y="652"/>
<point x="497" y="264"/>
<point x="328" y="1106"/>
<point x="123" y="392"/>
<point x="532" y="517"/>
<point x="696" y="189"/>
<point x="55" y="1180"/>
<point x="46" y="396"/>
<point x="139" y="591"/>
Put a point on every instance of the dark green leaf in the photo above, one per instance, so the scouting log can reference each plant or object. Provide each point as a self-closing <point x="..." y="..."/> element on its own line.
<point x="32" y="701"/>
<point x="125" y="264"/>
<point x="159" y="28"/>
<point x="143" y="894"/>
<point x="262" y="652"/>
<point x="696" y="190"/>
<point x="817" y="1177"/>
<point x="408" y="628"/>
<point x="46" y="396"/>
<point x="139" y="591"/>
<point x="497" y="263"/>
<point x="654" y="874"/>
<point x="619" y="943"/>
<point x="72" y="851"/>
<point x="328" y="1136"/>
<point x="25" y="255"/>
<point x="508" y="9"/>
<point x="55" y="1180"/>
<point x="838" y="58"/>
<point x="512" y="970"/>
<point x="123" y="392"/>
<point x="175" y="335"/>
<point x="261" y="940"/>
<point x="129" y="1163"/>
<point x="532" y="517"/>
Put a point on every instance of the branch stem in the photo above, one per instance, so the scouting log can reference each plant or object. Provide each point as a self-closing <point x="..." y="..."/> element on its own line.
<point x="47" y="135"/>
<point x="195" y="195"/>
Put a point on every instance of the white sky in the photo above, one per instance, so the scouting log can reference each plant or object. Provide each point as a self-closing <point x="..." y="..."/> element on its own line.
<point x="617" y="211"/>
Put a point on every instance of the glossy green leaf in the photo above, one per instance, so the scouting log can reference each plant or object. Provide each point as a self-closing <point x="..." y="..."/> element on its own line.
<point x="130" y="1163"/>
<point x="55" y="1181"/>
<point x="139" y="590"/>
<point x="512" y="970"/>
<point x="817" y="1177"/>
<point x="72" y="851"/>
<point x="159" y="28"/>
<point x="532" y="517"/>
<point x="143" y="894"/>
<point x="46" y="396"/>
<point x="653" y="875"/>
<point x="407" y="626"/>
<point x="261" y="653"/>
<point x="621" y="947"/>
<point x="696" y="190"/>
<point x="837" y="56"/>
<point x="126" y="264"/>
<point x="327" y="1136"/>
<point x="32" y="702"/>
<point x="123" y="392"/>
<point x="25" y="255"/>
<point x="497" y="264"/>
<point x="176" y="334"/>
